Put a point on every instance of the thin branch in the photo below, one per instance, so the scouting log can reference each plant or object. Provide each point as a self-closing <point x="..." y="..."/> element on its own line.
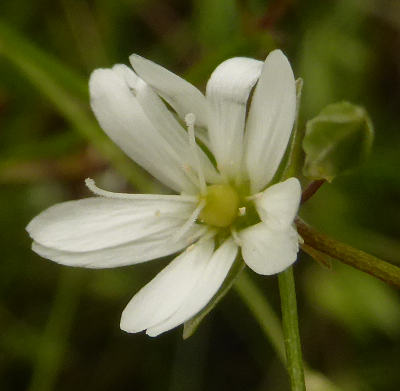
<point x="361" y="260"/>
<point x="311" y="189"/>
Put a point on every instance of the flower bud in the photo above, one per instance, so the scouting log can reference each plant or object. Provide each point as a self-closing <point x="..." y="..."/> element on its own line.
<point x="337" y="140"/>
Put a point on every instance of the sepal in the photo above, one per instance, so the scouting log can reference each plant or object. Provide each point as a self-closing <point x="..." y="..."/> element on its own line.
<point x="337" y="140"/>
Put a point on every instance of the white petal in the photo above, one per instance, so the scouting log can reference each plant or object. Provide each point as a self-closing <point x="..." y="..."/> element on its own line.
<point x="181" y="95"/>
<point x="270" y="120"/>
<point x="130" y="253"/>
<point x="277" y="206"/>
<point x="228" y="90"/>
<point x="163" y="295"/>
<point x="267" y="251"/>
<point x="96" y="223"/>
<point x="166" y="124"/>
<point x="207" y="286"/>
<point x="122" y="118"/>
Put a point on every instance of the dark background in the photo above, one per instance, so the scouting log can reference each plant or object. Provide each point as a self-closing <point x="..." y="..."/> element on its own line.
<point x="59" y="327"/>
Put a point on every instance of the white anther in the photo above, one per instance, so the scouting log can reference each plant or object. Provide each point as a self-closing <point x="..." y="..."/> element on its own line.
<point x="190" y="119"/>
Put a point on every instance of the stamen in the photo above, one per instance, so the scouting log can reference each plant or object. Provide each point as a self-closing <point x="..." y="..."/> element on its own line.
<point x="242" y="211"/>
<point x="253" y="197"/>
<point x="190" y="221"/>
<point x="235" y="237"/>
<point x="125" y="196"/>
<point x="190" y="120"/>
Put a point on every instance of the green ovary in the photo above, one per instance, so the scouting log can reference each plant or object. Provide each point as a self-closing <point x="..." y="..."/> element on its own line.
<point x="222" y="203"/>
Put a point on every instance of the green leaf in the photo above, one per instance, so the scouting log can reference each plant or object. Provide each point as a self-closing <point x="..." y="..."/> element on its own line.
<point x="191" y="325"/>
<point x="66" y="91"/>
<point x="338" y="140"/>
<point x="22" y="52"/>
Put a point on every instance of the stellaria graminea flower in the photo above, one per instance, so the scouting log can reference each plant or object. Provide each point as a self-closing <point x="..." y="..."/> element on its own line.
<point x="218" y="211"/>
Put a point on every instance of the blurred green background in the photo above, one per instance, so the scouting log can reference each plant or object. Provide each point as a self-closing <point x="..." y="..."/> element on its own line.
<point x="59" y="327"/>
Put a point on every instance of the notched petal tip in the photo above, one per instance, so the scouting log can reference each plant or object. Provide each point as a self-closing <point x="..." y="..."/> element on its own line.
<point x="126" y="325"/>
<point x="152" y="334"/>
<point x="158" y="300"/>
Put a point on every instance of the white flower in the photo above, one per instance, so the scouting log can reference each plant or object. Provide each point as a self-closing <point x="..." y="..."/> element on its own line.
<point x="218" y="211"/>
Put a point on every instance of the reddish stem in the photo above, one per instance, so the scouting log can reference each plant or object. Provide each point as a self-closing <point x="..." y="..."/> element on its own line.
<point x="311" y="189"/>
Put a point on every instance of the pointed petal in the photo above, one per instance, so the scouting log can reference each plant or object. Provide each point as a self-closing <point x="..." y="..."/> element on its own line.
<point x="228" y="90"/>
<point x="270" y="120"/>
<point x="97" y="223"/>
<point x="166" y="124"/>
<point x="277" y="206"/>
<point x="138" y="251"/>
<point x="267" y="251"/>
<point x="122" y="118"/>
<point x="163" y="295"/>
<point x="207" y="286"/>
<point x="181" y="95"/>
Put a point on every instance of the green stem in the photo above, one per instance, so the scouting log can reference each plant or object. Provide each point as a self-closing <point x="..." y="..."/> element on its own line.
<point x="53" y="344"/>
<point x="291" y="330"/>
<point x="270" y="324"/>
<point x="351" y="256"/>
<point x="311" y="189"/>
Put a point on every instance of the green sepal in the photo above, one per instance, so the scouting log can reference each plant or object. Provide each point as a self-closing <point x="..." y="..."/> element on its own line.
<point x="337" y="140"/>
<point x="292" y="161"/>
<point x="191" y="325"/>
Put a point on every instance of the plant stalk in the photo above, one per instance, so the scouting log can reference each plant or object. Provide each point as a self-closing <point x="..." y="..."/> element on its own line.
<point x="291" y="330"/>
<point x="361" y="260"/>
<point x="311" y="189"/>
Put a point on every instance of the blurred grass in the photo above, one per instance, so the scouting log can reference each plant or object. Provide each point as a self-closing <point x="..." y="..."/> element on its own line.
<point x="59" y="330"/>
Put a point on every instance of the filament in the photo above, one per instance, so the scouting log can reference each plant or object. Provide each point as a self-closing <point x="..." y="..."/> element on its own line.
<point x="235" y="237"/>
<point x="189" y="222"/>
<point x="125" y="196"/>
<point x="190" y="120"/>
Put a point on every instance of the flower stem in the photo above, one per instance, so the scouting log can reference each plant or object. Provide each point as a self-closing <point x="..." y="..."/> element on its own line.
<point x="291" y="330"/>
<point x="361" y="260"/>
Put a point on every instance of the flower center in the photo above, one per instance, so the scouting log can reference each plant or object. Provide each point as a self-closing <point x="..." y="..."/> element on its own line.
<point x="222" y="206"/>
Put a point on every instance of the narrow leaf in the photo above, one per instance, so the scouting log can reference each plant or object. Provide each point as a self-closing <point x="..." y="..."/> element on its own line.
<point x="66" y="91"/>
